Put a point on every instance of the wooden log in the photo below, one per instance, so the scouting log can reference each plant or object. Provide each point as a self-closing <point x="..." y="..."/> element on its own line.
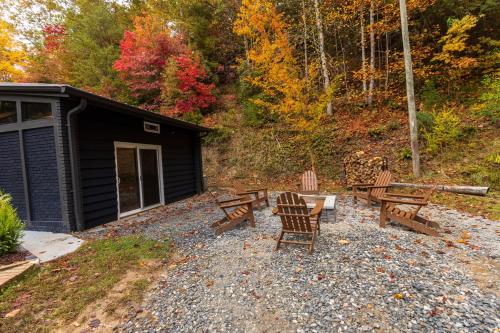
<point x="470" y="190"/>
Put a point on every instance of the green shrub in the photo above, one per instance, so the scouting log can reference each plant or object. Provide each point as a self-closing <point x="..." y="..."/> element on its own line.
<point x="217" y="136"/>
<point x="393" y="125"/>
<point x="405" y="154"/>
<point x="377" y="132"/>
<point x="430" y="96"/>
<point x="255" y="116"/>
<point x="445" y="131"/>
<point x="425" y="121"/>
<point x="11" y="227"/>
<point x="194" y="117"/>
<point x="490" y="99"/>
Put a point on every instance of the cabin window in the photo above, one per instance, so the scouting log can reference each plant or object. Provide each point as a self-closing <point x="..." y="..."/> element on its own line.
<point x="151" y="127"/>
<point x="8" y="113"/>
<point x="35" y="111"/>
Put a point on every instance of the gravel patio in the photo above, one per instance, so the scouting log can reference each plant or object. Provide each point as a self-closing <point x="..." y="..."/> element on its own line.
<point x="360" y="277"/>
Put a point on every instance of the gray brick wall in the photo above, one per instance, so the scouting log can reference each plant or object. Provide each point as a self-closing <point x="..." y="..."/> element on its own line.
<point x="11" y="176"/>
<point x="43" y="183"/>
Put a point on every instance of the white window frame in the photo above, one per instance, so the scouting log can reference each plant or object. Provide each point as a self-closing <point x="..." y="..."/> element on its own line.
<point x="156" y="131"/>
<point x="138" y="147"/>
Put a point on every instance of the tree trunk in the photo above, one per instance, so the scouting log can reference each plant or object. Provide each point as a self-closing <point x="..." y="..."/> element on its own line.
<point x="324" y="66"/>
<point x="372" y="55"/>
<point x="306" y="56"/>
<point x="363" y="48"/>
<point x="247" y="57"/>
<point x="471" y="190"/>
<point x="412" y="114"/>
<point x="344" y="66"/>
<point x="386" y="63"/>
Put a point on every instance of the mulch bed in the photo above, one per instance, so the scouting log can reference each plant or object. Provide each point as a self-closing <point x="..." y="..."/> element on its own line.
<point x="13" y="257"/>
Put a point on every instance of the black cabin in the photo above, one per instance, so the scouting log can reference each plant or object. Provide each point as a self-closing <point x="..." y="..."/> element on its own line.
<point x="73" y="160"/>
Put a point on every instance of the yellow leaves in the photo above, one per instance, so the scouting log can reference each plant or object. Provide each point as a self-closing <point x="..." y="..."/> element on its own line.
<point x="12" y="58"/>
<point x="398" y="296"/>
<point x="344" y="241"/>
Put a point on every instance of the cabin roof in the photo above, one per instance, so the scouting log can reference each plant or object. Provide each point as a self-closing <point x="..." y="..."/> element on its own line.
<point x="64" y="90"/>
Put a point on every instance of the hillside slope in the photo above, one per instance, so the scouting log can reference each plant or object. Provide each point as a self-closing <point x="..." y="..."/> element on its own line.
<point x="274" y="156"/>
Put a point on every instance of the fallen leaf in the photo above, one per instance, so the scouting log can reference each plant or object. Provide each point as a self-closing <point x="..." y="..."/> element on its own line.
<point x="465" y="234"/>
<point x="343" y="241"/>
<point x="388" y="257"/>
<point x="380" y="270"/>
<point x="398" y="296"/>
<point x="399" y="248"/>
<point x="245" y="272"/>
<point x="12" y="314"/>
<point x="210" y="283"/>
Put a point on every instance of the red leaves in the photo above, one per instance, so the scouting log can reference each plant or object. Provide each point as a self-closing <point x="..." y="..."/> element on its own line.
<point x="145" y="53"/>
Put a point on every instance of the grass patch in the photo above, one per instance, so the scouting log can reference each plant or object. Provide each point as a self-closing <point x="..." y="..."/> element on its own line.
<point x="59" y="291"/>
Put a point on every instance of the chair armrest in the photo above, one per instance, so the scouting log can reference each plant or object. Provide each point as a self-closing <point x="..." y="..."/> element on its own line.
<point x="247" y="192"/>
<point x="362" y="185"/>
<point x="405" y="202"/>
<point x="229" y="200"/>
<point x="316" y="210"/>
<point x="240" y="203"/>
<point x="404" y="195"/>
<point x="372" y="187"/>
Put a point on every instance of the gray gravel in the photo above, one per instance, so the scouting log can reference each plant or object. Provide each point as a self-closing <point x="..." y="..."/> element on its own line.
<point x="385" y="280"/>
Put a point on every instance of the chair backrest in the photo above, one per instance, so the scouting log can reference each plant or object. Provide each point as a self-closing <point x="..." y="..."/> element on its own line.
<point x="384" y="179"/>
<point x="293" y="212"/>
<point x="309" y="182"/>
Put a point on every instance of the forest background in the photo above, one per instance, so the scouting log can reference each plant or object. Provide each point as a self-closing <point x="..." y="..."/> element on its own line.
<point x="286" y="85"/>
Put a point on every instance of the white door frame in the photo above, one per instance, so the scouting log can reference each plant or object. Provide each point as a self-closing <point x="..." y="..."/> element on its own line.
<point x="138" y="147"/>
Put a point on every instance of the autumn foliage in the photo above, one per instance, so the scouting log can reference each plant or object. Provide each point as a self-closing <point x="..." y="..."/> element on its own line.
<point x="146" y="52"/>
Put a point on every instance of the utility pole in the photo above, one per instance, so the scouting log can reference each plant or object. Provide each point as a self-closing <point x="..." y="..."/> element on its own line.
<point x="412" y="114"/>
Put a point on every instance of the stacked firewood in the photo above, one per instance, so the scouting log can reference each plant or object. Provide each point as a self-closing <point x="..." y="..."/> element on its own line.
<point x="362" y="168"/>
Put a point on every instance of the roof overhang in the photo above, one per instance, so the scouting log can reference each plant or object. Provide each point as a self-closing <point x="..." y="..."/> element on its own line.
<point x="65" y="91"/>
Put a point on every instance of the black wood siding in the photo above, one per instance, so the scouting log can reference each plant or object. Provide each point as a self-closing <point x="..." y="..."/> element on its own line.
<point x="98" y="129"/>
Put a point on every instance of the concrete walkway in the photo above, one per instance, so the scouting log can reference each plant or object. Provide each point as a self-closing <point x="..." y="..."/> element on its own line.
<point x="48" y="245"/>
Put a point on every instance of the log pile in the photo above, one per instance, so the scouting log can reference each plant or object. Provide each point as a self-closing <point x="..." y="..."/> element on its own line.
<point x="361" y="168"/>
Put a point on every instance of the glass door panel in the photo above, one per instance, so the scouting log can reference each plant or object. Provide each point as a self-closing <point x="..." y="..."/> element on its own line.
<point x="150" y="177"/>
<point x="128" y="179"/>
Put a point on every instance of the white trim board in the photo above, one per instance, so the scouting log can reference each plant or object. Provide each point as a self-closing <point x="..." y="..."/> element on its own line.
<point x="138" y="147"/>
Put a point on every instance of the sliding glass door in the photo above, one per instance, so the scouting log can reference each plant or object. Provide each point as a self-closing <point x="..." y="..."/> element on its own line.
<point x="139" y="177"/>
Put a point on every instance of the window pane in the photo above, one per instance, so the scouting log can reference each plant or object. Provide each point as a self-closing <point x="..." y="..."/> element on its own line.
<point x="34" y="111"/>
<point x="8" y="114"/>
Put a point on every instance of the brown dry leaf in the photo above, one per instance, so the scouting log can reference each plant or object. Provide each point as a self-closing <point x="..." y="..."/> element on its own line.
<point x="462" y="241"/>
<point x="380" y="270"/>
<point x="13" y="313"/>
<point x="209" y="283"/>
<point x="399" y="248"/>
<point x="388" y="257"/>
<point x="465" y="234"/>
<point x="344" y="241"/>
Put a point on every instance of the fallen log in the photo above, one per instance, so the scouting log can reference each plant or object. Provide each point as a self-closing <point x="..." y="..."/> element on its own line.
<point x="470" y="190"/>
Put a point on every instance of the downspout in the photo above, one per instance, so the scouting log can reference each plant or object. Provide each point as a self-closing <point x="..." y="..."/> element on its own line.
<point x="75" y="175"/>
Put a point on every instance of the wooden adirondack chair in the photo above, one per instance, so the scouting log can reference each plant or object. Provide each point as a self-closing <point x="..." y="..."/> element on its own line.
<point x="373" y="191"/>
<point x="391" y="210"/>
<point x="259" y="196"/>
<point x="308" y="183"/>
<point x="236" y="211"/>
<point x="296" y="219"/>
